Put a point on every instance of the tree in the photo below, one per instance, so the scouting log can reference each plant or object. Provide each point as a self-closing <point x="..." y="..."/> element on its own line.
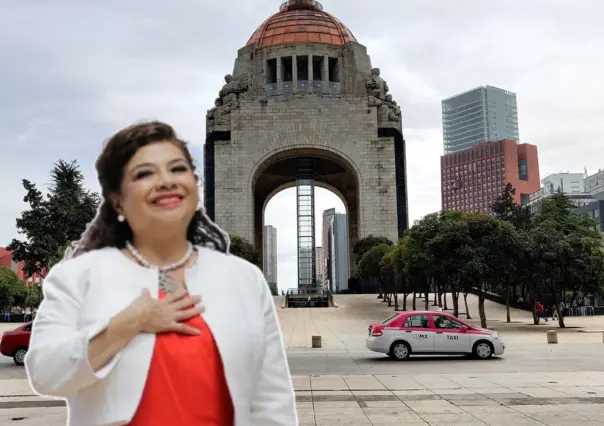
<point x="506" y="209"/>
<point x="241" y="247"/>
<point x="566" y="251"/>
<point x="11" y="287"/>
<point x="58" y="256"/>
<point x="55" y="220"/>
<point x="389" y="278"/>
<point x="420" y="259"/>
<point x="557" y="213"/>
<point x="369" y="266"/>
<point x="397" y="256"/>
<point x="33" y="296"/>
<point x="564" y="263"/>
<point x="363" y="245"/>
<point x="449" y="250"/>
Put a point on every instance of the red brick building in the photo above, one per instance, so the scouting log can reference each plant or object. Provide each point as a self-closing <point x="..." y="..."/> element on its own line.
<point x="6" y="260"/>
<point x="472" y="178"/>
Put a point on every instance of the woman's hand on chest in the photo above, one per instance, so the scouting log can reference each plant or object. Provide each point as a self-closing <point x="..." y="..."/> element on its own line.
<point x="167" y="314"/>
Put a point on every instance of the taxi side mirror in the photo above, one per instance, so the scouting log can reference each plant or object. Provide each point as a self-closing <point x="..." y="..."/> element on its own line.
<point x="464" y="329"/>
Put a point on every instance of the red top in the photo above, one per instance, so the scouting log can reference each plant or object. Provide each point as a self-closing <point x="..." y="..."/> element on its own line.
<point x="538" y="307"/>
<point x="186" y="385"/>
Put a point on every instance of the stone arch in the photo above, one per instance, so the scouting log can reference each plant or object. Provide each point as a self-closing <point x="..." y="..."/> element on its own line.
<point x="335" y="172"/>
<point x="292" y="184"/>
<point x="290" y="150"/>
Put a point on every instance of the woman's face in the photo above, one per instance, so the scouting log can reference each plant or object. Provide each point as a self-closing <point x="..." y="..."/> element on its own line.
<point x="159" y="190"/>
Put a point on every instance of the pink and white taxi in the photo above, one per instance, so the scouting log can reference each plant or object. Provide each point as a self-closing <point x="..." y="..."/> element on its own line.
<point x="431" y="333"/>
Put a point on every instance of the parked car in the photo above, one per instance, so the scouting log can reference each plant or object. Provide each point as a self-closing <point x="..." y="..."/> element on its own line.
<point x="14" y="343"/>
<point x="431" y="333"/>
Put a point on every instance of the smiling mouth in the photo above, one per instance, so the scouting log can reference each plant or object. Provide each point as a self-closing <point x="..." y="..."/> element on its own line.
<point x="168" y="201"/>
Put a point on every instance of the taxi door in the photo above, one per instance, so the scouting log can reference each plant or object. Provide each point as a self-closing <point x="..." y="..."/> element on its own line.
<point x="418" y="333"/>
<point x="448" y="336"/>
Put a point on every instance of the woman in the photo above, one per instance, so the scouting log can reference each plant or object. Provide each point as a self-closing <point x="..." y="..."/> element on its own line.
<point x="119" y="334"/>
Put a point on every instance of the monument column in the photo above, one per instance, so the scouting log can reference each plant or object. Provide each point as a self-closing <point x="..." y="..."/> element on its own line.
<point x="326" y="73"/>
<point x="294" y="73"/>
<point x="310" y="76"/>
<point x="279" y="73"/>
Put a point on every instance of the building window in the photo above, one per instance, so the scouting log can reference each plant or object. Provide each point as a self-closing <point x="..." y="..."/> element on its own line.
<point x="522" y="169"/>
<point x="302" y="65"/>
<point x="334" y="70"/>
<point x="317" y="68"/>
<point x="271" y="71"/>
<point x="287" y="69"/>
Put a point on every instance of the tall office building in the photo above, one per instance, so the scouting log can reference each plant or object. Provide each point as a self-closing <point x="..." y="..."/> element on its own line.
<point x="319" y="257"/>
<point x="338" y="260"/>
<point x="473" y="178"/>
<point x="327" y="218"/>
<point x="270" y="255"/>
<point x="477" y="116"/>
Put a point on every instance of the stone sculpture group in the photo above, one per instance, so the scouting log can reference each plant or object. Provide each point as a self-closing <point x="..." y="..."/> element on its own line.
<point x="231" y="92"/>
<point x="377" y="90"/>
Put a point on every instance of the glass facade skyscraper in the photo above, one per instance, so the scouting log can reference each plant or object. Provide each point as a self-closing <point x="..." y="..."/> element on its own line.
<point x="270" y="255"/>
<point x="484" y="114"/>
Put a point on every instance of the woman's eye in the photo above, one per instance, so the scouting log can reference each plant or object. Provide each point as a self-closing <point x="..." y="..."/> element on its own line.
<point x="180" y="169"/>
<point x="142" y="174"/>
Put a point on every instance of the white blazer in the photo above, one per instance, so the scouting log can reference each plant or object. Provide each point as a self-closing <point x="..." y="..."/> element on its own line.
<point x="82" y="294"/>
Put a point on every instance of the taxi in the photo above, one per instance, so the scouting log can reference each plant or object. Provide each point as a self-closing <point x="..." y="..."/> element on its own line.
<point x="431" y="333"/>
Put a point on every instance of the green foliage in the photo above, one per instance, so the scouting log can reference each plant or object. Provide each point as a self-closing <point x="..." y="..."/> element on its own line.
<point x="506" y="209"/>
<point x="240" y="247"/>
<point x="555" y="252"/>
<point x="363" y="245"/>
<point x="33" y="296"/>
<point x="11" y="289"/>
<point x="55" y="220"/>
<point x="369" y="266"/>
<point x="557" y="213"/>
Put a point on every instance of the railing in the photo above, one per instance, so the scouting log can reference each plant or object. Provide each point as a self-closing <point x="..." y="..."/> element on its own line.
<point x="576" y="311"/>
<point x="573" y="311"/>
<point x="286" y="86"/>
<point x="306" y="298"/>
<point x="302" y="86"/>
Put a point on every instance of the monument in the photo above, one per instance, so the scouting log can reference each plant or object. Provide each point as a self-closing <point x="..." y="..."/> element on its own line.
<point x="305" y="107"/>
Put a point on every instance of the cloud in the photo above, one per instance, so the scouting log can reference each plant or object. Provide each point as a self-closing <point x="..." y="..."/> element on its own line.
<point x="73" y="72"/>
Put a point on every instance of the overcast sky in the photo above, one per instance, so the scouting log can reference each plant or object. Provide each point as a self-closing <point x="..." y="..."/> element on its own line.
<point x="72" y="72"/>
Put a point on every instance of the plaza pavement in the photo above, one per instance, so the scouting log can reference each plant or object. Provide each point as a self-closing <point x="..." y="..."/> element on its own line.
<point x="344" y="384"/>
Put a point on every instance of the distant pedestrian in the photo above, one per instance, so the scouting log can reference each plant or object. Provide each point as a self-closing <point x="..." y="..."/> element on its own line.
<point x="540" y="312"/>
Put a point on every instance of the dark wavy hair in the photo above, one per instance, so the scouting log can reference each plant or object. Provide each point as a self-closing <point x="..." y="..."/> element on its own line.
<point x="105" y="230"/>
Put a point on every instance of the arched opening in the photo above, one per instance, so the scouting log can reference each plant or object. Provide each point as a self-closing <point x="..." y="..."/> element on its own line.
<point x="331" y="173"/>
<point x="331" y="240"/>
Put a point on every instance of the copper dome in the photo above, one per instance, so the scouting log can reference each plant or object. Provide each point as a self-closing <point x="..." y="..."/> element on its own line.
<point x="301" y="21"/>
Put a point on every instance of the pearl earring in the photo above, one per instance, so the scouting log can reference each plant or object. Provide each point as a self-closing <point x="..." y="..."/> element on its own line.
<point x="121" y="218"/>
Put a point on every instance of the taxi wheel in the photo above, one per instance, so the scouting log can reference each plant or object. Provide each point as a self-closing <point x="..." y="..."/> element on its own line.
<point x="400" y="351"/>
<point x="483" y="349"/>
